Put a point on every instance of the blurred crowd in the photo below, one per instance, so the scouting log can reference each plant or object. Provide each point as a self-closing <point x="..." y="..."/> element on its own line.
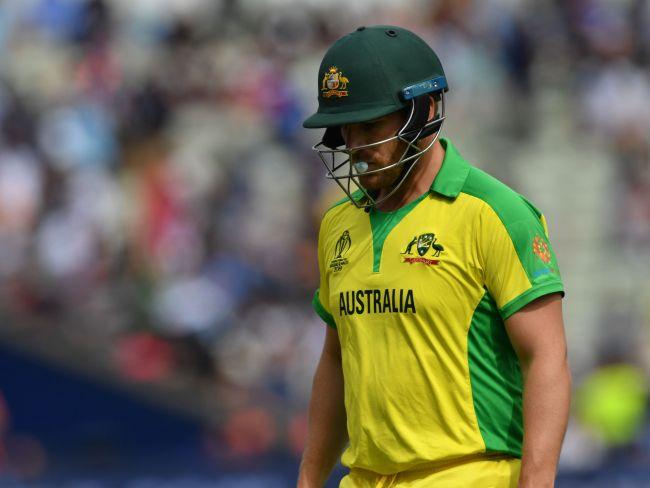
<point x="159" y="198"/>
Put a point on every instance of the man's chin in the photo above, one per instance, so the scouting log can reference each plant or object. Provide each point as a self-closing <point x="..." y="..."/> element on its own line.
<point x="375" y="182"/>
<point x="370" y="182"/>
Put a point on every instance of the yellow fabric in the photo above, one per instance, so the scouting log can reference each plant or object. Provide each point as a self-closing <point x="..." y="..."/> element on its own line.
<point x="505" y="275"/>
<point x="403" y="328"/>
<point x="407" y="388"/>
<point x="502" y="473"/>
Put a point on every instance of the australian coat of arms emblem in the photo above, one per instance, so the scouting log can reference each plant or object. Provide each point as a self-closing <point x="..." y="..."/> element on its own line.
<point x="424" y="243"/>
<point x="334" y="84"/>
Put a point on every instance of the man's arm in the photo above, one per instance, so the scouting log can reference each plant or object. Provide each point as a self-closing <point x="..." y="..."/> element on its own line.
<point x="327" y="434"/>
<point x="537" y="335"/>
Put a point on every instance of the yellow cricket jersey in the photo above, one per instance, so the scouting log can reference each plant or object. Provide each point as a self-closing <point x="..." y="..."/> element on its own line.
<point x="419" y="297"/>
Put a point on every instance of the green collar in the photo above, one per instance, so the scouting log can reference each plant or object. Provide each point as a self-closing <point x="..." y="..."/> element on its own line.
<point x="452" y="174"/>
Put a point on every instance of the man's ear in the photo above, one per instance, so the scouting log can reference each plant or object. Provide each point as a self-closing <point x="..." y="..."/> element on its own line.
<point x="433" y="105"/>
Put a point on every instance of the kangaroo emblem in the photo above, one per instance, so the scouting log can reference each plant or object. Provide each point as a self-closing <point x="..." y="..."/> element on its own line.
<point x="424" y="243"/>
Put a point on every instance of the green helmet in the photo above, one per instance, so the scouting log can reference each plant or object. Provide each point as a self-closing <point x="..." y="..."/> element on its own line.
<point x="367" y="74"/>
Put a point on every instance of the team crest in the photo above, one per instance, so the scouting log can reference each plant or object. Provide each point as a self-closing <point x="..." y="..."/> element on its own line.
<point x="342" y="246"/>
<point x="424" y="244"/>
<point x="334" y="84"/>
<point x="541" y="249"/>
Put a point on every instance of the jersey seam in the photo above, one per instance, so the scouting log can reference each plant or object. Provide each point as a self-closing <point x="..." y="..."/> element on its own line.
<point x="506" y="227"/>
<point x="387" y="228"/>
<point x="337" y="204"/>
<point x="489" y="429"/>
<point x="469" y="373"/>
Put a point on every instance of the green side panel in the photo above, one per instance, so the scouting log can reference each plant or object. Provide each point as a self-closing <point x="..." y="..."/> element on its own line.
<point x="495" y="375"/>
<point x="320" y="310"/>
<point x="382" y="223"/>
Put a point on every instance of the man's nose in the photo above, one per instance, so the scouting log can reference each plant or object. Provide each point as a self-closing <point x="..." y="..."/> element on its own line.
<point x="361" y="155"/>
<point x="354" y="139"/>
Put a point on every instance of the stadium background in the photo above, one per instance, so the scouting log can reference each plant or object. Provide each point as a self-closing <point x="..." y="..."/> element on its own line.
<point x="159" y="205"/>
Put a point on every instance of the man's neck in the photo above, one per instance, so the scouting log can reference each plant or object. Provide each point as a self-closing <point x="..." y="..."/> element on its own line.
<point x="418" y="182"/>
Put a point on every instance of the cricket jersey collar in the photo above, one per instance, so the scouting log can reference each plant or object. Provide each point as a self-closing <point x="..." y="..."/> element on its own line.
<point x="452" y="174"/>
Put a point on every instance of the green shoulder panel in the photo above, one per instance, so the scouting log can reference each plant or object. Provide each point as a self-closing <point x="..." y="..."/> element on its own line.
<point x="523" y="222"/>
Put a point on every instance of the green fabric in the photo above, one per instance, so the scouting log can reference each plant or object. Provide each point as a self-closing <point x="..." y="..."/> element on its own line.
<point x="523" y="223"/>
<point x="452" y="174"/>
<point x="356" y="196"/>
<point x="495" y="375"/>
<point x="528" y="296"/>
<point x="320" y="310"/>
<point x="382" y="223"/>
<point x="520" y="218"/>
<point x="373" y="65"/>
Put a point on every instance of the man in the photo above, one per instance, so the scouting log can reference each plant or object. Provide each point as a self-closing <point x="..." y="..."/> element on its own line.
<point x="444" y="361"/>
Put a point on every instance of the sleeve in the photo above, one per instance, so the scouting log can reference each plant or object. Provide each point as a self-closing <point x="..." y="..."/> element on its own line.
<point x="320" y="302"/>
<point x="518" y="262"/>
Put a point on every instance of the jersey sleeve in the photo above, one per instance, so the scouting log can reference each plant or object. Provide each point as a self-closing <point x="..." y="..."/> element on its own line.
<point x="320" y="302"/>
<point x="518" y="261"/>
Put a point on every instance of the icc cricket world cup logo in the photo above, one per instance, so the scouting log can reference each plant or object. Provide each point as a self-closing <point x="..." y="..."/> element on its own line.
<point x="342" y="246"/>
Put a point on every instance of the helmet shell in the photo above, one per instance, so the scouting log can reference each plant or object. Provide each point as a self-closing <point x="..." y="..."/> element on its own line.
<point x="372" y="72"/>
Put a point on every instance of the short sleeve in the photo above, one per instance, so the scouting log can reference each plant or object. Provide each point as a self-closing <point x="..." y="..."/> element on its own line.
<point x="320" y="302"/>
<point x="518" y="261"/>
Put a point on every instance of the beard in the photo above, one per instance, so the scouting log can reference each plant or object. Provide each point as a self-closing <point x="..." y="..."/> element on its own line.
<point x="378" y="158"/>
<point x="381" y="180"/>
